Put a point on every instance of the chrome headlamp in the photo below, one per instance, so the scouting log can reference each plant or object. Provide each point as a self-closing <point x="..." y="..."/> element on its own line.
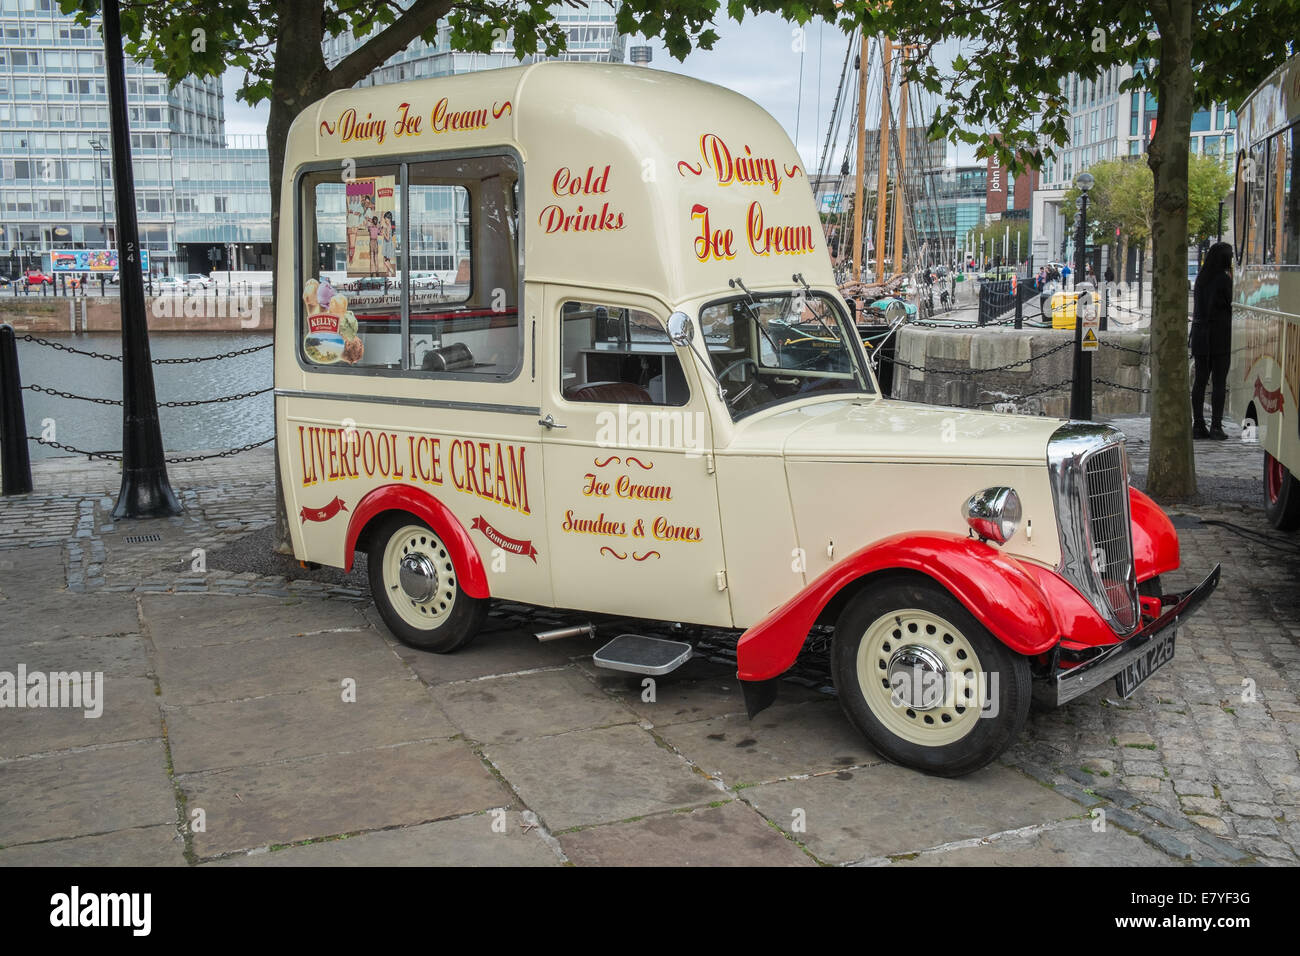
<point x="993" y="514"/>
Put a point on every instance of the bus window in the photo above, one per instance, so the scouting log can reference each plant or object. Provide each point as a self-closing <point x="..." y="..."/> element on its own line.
<point x="1284" y="216"/>
<point x="464" y="294"/>
<point x="1255" y="175"/>
<point x="350" y="305"/>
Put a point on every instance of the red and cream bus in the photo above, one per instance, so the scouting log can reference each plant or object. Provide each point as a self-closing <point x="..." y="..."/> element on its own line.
<point x="1264" y="380"/>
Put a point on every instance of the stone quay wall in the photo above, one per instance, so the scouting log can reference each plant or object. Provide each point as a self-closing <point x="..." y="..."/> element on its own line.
<point x="166" y="313"/>
<point x="1015" y="370"/>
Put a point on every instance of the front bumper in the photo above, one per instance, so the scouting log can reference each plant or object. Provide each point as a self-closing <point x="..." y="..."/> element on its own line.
<point x="1066" y="685"/>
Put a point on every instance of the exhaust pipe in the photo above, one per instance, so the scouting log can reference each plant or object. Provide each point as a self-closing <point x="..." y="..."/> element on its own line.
<point x="582" y="630"/>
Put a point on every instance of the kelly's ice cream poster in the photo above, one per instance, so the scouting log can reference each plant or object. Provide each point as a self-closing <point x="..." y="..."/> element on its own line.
<point x="331" y="328"/>
<point x="372" y="226"/>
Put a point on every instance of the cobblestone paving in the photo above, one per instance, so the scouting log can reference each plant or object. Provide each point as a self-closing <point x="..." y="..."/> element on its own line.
<point x="1201" y="764"/>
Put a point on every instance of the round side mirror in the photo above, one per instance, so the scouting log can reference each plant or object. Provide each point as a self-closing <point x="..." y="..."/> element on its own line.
<point x="681" y="330"/>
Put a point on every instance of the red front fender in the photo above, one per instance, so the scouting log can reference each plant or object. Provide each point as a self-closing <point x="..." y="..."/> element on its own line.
<point x="469" y="566"/>
<point x="993" y="586"/>
<point x="1155" y="542"/>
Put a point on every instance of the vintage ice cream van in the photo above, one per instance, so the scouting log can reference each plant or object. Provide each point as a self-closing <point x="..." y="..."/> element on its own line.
<point x="625" y="385"/>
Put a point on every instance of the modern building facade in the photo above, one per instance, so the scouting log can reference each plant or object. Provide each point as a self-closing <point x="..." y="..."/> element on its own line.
<point x="55" y="187"/>
<point x="592" y="37"/>
<point x="1106" y="123"/>
<point x="203" y="197"/>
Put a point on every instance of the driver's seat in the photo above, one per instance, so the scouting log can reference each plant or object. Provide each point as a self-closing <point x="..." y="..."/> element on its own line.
<point x="614" y="393"/>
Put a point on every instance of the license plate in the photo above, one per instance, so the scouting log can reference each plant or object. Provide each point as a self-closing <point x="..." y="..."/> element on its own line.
<point x="1136" y="672"/>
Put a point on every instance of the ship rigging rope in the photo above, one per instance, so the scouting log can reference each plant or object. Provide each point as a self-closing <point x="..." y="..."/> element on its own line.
<point x="835" y="110"/>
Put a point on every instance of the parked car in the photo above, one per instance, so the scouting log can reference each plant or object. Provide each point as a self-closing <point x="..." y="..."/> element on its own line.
<point x="37" y="277"/>
<point x="163" y="284"/>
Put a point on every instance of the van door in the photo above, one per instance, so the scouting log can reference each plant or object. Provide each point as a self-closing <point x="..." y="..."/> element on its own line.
<point x="632" y="503"/>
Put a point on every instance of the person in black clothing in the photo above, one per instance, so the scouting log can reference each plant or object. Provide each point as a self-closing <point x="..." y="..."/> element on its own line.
<point x="1211" y="339"/>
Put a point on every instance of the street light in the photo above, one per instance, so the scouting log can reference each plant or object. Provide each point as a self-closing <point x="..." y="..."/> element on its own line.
<point x="1081" y="389"/>
<point x="100" y="148"/>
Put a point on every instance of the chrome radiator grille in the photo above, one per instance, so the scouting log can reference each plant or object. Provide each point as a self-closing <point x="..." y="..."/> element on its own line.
<point x="1111" y="537"/>
<point x="1089" y="471"/>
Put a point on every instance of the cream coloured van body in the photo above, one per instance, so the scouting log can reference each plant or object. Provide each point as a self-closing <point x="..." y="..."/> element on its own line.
<point x="634" y="390"/>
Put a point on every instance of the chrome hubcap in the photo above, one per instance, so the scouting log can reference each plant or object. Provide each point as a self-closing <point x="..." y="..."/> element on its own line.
<point x="418" y="577"/>
<point x="917" y="677"/>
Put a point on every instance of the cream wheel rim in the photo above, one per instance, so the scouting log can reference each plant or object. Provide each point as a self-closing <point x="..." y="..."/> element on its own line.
<point x="424" y="604"/>
<point x="921" y="677"/>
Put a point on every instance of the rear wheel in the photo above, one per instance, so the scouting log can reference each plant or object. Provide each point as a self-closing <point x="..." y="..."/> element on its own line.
<point x="1281" y="495"/>
<point x="924" y="681"/>
<point x="416" y="587"/>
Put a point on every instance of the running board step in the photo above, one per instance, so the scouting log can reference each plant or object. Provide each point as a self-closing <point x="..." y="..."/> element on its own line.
<point x="642" y="655"/>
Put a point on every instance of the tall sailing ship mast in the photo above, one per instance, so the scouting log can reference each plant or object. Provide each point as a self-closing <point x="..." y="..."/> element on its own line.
<point x="877" y="262"/>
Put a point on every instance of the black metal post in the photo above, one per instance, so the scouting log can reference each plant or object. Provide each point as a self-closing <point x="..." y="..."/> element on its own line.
<point x="1218" y="233"/>
<point x="145" y="492"/>
<point x="15" y="464"/>
<point x="1020" y="300"/>
<point x="1081" y="389"/>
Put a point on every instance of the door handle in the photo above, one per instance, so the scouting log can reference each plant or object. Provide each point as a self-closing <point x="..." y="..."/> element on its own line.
<point x="549" y="422"/>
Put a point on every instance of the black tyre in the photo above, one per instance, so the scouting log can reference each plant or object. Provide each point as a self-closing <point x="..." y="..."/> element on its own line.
<point x="1281" y="495"/>
<point x="911" y="666"/>
<point x="1151" y="587"/>
<point x="416" y="587"/>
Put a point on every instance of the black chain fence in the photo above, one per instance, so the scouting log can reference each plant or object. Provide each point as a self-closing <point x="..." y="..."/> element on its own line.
<point x="190" y="403"/>
<point x="986" y="371"/>
<point x="187" y="360"/>
<point x="117" y="455"/>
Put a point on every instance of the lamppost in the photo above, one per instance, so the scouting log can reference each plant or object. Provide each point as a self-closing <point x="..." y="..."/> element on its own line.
<point x="1081" y="390"/>
<point x="100" y="149"/>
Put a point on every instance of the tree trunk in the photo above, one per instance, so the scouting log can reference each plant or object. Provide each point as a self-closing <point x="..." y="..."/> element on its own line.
<point x="1172" y="473"/>
<point x="298" y="81"/>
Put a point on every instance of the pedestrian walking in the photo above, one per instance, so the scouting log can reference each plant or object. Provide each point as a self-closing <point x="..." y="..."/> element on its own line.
<point x="1211" y="339"/>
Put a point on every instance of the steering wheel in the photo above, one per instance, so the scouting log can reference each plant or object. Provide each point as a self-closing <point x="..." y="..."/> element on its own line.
<point x="732" y="399"/>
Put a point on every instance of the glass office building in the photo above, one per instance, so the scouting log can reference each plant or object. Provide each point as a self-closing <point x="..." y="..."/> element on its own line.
<point x="55" y="186"/>
<point x="1107" y="123"/>
<point x="202" y="197"/>
<point x="592" y="37"/>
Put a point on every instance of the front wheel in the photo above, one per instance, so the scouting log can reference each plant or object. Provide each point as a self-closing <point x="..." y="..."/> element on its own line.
<point x="924" y="681"/>
<point x="416" y="587"/>
<point x="1281" y="495"/>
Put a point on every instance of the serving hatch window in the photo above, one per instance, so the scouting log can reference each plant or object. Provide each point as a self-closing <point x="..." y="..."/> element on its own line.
<point x="412" y="268"/>
<point x="351" y="306"/>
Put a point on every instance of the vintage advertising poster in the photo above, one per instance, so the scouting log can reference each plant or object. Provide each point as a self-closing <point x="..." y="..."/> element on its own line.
<point x="332" y="332"/>
<point x="372" y="226"/>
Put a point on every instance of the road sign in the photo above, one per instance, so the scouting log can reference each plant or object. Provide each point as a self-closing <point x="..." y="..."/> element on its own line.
<point x="1089" y="318"/>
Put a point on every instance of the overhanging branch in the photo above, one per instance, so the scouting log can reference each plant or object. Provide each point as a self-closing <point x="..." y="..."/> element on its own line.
<point x="361" y="62"/>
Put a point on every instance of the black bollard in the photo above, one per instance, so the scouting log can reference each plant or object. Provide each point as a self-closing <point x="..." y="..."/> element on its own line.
<point x="15" y="463"/>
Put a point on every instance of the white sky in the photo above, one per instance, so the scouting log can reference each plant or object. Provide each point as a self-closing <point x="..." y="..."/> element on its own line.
<point x="755" y="58"/>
